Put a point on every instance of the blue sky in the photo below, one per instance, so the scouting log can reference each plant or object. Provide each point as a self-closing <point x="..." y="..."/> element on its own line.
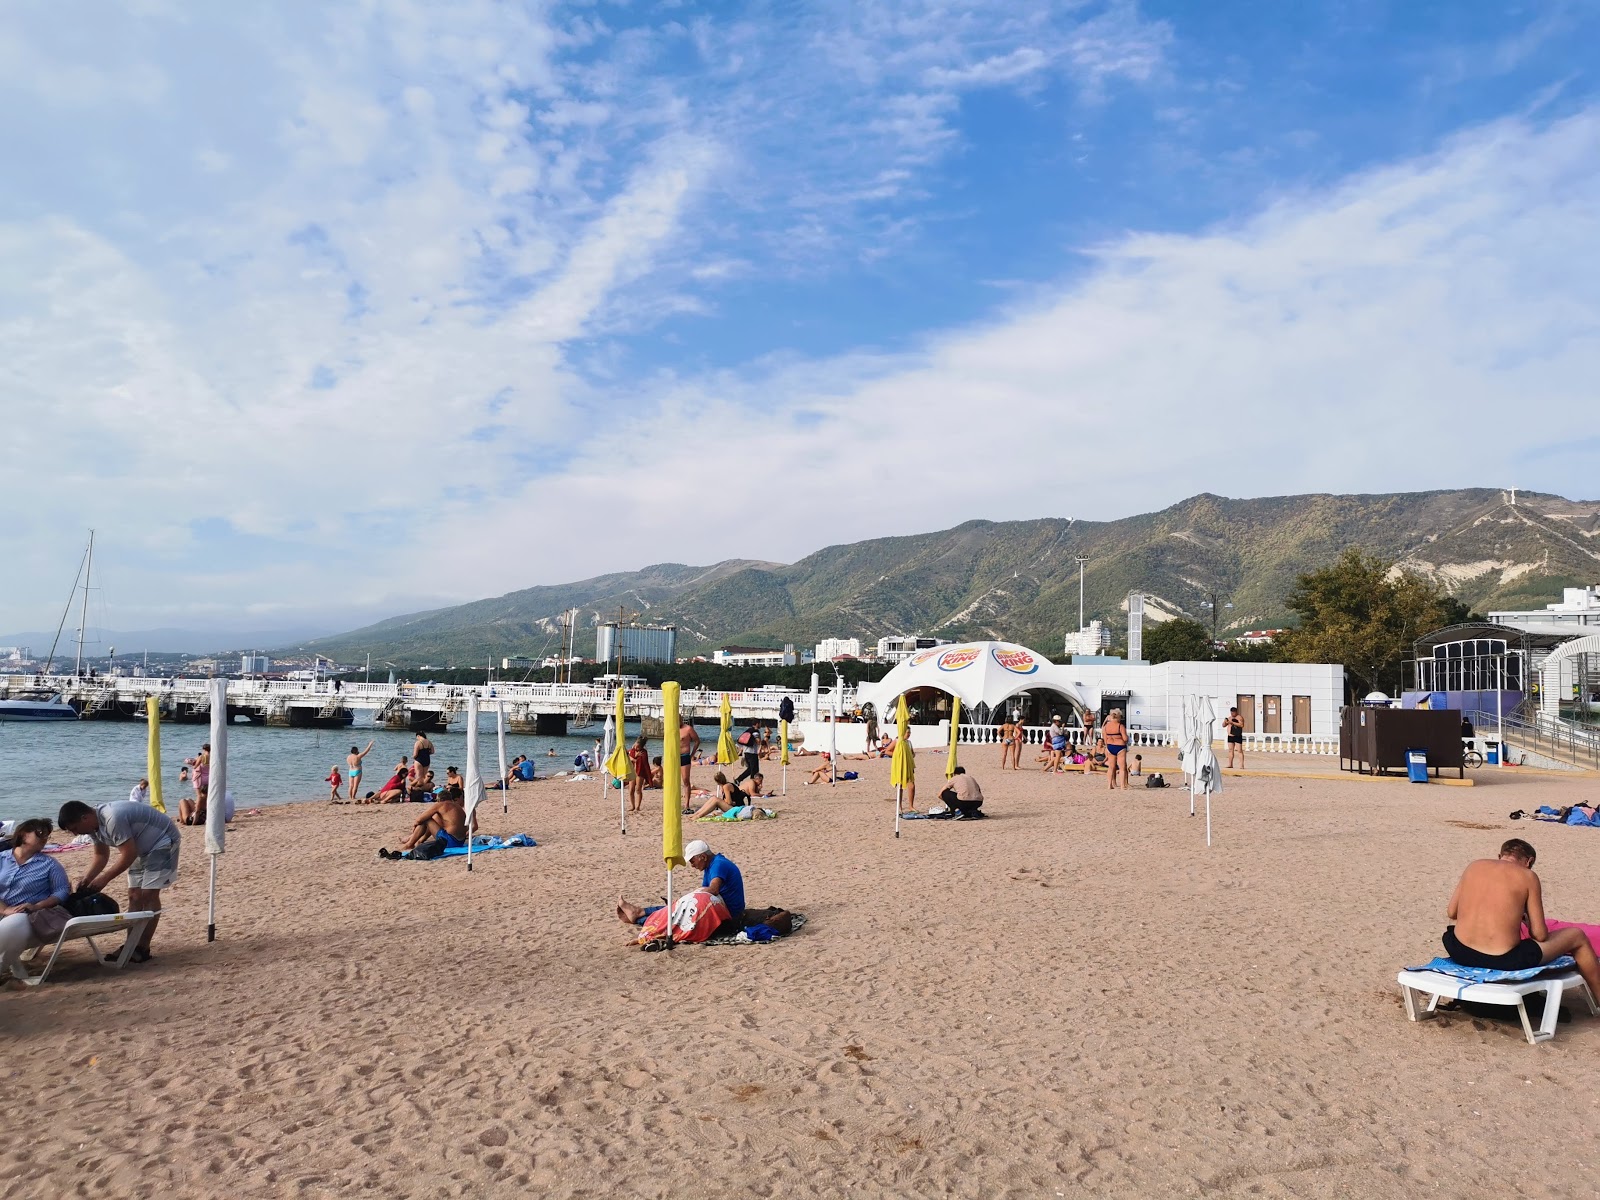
<point x="325" y="311"/>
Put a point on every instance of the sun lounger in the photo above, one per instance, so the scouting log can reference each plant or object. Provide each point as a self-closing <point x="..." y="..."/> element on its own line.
<point x="1442" y="979"/>
<point x="89" y="928"/>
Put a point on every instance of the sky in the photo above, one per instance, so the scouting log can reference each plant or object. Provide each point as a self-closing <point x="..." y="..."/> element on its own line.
<point x="321" y="312"/>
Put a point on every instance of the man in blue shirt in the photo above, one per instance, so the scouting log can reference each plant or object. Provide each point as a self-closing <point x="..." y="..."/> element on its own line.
<point x="720" y="877"/>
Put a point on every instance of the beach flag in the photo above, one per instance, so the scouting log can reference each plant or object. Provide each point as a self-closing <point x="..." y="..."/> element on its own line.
<point x="152" y="753"/>
<point x="217" y="795"/>
<point x="617" y="764"/>
<point x="783" y="754"/>
<point x="903" y="766"/>
<point x="955" y="726"/>
<point x="725" y="750"/>
<point x="475" y="789"/>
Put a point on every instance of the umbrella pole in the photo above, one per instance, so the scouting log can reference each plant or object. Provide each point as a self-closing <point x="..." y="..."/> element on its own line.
<point x="783" y="788"/>
<point x="622" y="807"/>
<point x="899" y="790"/>
<point x="669" y="908"/>
<point x="211" y="907"/>
<point x="1208" y="818"/>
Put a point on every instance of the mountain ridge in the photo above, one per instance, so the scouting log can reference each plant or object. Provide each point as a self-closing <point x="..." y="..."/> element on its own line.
<point x="1019" y="579"/>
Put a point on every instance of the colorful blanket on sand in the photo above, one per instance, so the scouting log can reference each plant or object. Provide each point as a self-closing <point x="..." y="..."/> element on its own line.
<point x="798" y="923"/>
<point x="1471" y="975"/>
<point x="482" y="845"/>
<point x="745" y="812"/>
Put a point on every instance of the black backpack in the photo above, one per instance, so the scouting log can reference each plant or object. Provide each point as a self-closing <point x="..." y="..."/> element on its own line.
<point x="90" y="904"/>
<point x="786" y="709"/>
<point x="1155" y="781"/>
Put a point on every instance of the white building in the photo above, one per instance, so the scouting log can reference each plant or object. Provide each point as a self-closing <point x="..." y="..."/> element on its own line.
<point x="1577" y="607"/>
<point x="254" y="664"/>
<point x="829" y="649"/>
<point x="749" y="656"/>
<point x="897" y="648"/>
<point x="636" y="643"/>
<point x="1093" y="638"/>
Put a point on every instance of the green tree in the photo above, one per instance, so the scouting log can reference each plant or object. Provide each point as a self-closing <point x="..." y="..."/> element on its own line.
<point x="1177" y="640"/>
<point x="1362" y="613"/>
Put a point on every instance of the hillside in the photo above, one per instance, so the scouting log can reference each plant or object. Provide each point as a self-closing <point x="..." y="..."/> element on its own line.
<point x="1019" y="579"/>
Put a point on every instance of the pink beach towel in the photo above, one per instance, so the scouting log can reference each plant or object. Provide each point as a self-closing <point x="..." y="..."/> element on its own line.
<point x="1591" y="931"/>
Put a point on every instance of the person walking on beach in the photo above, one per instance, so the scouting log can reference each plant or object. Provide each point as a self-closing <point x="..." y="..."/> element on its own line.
<point x="353" y="760"/>
<point x="750" y="751"/>
<point x="422" y="751"/>
<point x="147" y="844"/>
<point x="1492" y="900"/>
<point x="1114" y="734"/>
<point x="1233" y="726"/>
<point x="334" y="781"/>
<point x="688" y="747"/>
<point x="870" y="712"/>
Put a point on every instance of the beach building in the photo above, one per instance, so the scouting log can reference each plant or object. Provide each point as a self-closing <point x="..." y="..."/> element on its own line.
<point x="636" y="643"/>
<point x="898" y="648"/>
<point x="755" y="656"/>
<point x="1577" y="607"/>
<point x="829" y="649"/>
<point x="1093" y="638"/>
<point x="996" y="680"/>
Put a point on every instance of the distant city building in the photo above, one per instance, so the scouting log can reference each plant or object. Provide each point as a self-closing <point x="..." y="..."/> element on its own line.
<point x="896" y="648"/>
<point x="638" y="643"/>
<point x="1259" y="637"/>
<point x="1091" y="639"/>
<point x="754" y="656"/>
<point x="829" y="649"/>
<point x="516" y="662"/>
<point x="254" y="664"/>
<point x="15" y="654"/>
<point x="1578" y="606"/>
<point x="625" y="681"/>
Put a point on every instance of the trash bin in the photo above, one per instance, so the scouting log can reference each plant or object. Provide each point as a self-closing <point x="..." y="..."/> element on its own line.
<point x="1491" y="753"/>
<point x="1417" y="765"/>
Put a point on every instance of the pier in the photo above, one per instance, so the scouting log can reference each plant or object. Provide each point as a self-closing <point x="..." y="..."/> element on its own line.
<point x="545" y="708"/>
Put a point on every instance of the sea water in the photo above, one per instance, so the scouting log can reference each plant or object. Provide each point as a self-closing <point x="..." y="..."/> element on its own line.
<point x="44" y="764"/>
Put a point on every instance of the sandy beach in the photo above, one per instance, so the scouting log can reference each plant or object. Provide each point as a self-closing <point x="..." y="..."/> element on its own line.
<point x="1073" y="998"/>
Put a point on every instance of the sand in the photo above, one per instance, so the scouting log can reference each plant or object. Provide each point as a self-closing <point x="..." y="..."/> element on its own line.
<point x="1072" y="998"/>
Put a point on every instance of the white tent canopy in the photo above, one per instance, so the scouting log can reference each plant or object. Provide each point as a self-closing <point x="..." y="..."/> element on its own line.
<point x="987" y="673"/>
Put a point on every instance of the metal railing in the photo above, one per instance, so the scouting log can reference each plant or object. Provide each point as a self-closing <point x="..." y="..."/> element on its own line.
<point x="1549" y="736"/>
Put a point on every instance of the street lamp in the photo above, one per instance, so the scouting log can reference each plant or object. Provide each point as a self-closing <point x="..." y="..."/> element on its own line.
<point x="1212" y="605"/>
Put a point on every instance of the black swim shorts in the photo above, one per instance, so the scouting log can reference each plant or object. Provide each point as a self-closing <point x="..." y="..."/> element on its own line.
<point x="1524" y="956"/>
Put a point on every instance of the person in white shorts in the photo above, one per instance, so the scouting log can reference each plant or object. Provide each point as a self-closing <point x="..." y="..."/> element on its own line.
<point x="147" y="844"/>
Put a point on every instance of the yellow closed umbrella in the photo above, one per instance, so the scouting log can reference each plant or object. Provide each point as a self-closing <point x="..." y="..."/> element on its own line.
<point x="618" y="763"/>
<point x="671" y="795"/>
<point x="903" y="766"/>
<point x="152" y="754"/>
<point x="955" y="726"/>
<point x="783" y="754"/>
<point x="725" y="750"/>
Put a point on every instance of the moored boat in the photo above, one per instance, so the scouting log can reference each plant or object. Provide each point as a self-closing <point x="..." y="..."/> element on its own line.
<point x="37" y="706"/>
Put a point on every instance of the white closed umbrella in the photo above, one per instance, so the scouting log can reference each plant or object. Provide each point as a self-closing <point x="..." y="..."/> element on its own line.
<point x="500" y="742"/>
<point x="608" y="743"/>
<point x="1199" y="760"/>
<point x="475" y="789"/>
<point x="217" y="795"/>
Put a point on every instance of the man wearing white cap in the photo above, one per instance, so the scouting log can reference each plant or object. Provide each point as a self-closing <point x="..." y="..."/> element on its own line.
<point x="721" y="878"/>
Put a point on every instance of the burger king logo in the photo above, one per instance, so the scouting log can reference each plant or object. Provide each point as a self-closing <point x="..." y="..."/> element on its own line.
<point x="923" y="657"/>
<point x="954" y="660"/>
<point x="1019" y="662"/>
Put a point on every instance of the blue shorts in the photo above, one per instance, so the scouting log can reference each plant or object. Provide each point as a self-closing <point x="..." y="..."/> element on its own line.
<point x="450" y="840"/>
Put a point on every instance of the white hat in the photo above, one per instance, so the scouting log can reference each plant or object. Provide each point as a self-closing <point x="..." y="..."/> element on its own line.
<point x="694" y="850"/>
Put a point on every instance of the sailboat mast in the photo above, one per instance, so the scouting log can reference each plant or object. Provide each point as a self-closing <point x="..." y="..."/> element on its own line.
<point x="62" y="624"/>
<point x="83" y="617"/>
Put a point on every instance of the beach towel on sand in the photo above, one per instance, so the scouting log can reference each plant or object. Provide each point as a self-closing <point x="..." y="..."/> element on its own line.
<point x="1470" y="975"/>
<point x="744" y="812"/>
<point x="751" y="937"/>
<point x="482" y="845"/>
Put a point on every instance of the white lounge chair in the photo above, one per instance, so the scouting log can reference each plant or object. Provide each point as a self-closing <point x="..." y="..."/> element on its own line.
<point x="89" y="928"/>
<point x="1437" y="986"/>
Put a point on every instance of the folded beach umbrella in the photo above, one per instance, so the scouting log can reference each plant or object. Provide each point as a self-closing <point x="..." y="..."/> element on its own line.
<point x="725" y="751"/>
<point x="617" y="761"/>
<point x="671" y="795"/>
<point x="152" y="753"/>
<point x="217" y="795"/>
<point x="783" y="755"/>
<point x="500" y="744"/>
<point x="903" y="767"/>
<point x="955" y="728"/>
<point x="1199" y="759"/>
<point x="475" y="789"/>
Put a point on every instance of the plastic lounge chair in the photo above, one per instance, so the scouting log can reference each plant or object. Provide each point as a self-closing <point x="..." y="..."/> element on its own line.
<point x="89" y="928"/>
<point x="1418" y="982"/>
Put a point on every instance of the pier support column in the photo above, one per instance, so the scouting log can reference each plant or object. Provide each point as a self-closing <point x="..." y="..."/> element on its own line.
<point x="550" y="724"/>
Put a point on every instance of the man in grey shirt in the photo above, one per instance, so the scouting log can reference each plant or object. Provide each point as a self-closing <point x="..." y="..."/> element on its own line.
<point x="147" y="844"/>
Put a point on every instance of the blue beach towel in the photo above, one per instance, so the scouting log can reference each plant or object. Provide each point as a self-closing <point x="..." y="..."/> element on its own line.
<point x="482" y="845"/>
<point x="1471" y="975"/>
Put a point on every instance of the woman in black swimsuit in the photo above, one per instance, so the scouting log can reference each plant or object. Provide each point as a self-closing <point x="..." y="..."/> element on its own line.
<point x="422" y="751"/>
<point x="1234" y="724"/>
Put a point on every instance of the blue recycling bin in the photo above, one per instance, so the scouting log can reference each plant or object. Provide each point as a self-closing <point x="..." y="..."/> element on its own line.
<point x="1491" y="753"/>
<point x="1417" y="765"/>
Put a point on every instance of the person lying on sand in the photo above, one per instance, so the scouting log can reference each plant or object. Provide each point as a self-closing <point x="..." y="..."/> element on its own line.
<point x="720" y="878"/>
<point x="446" y="818"/>
<point x="1492" y="899"/>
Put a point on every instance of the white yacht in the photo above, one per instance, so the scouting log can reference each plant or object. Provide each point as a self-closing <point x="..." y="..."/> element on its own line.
<point x="37" y="705"/>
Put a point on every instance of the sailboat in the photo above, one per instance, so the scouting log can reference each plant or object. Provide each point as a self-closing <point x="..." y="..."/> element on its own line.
<point x="43" y="704"/>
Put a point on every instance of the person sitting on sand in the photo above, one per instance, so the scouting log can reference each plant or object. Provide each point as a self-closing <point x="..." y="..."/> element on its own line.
<point x="1492" y="900"/>
<point x="823" y="772"/>
<point x="393" y="790"/>
<point x="445" y="819"/>
<point x="655" y="774"/>
<point x="964" y="795"/>
<point x="721" y="878"/>
<point x="724" y="796"/>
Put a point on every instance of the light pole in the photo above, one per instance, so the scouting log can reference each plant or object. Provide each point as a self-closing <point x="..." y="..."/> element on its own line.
<point x="1212" y="605"/>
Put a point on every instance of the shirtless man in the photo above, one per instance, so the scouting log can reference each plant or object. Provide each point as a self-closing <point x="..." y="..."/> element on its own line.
<point x="1491" y="902"/>
<point x="446" y="818"/>
<point x="688" y="747"/>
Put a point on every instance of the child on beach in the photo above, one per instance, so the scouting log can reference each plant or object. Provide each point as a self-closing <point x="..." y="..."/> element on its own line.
<point x="334" y="781"/>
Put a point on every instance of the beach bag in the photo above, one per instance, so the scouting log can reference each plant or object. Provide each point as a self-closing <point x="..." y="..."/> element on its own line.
<point x="694" y="918"/>
<point x="745" y="739"/>
<point x="786" y="709"/>
<point x="90" y="904"/>
<point x="1155" y="781"/>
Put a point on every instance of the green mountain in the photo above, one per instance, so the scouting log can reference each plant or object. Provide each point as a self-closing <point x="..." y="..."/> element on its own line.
<point x="1019" y="579"/>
